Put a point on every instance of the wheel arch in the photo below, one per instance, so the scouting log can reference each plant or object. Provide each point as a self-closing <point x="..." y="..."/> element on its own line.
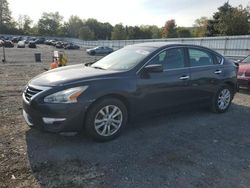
<point x="120" y="97"/>
<point x="231" y="85"/>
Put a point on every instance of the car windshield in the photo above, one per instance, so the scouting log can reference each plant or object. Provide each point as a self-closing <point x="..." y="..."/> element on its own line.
<point x="123" y="59"/>
<point x="246" y="60"/>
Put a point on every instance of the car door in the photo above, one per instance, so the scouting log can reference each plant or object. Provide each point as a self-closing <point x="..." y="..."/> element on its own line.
<point x="206" y="72"/>
<point x="99" y="50"/>
<point x="167" y="88"/>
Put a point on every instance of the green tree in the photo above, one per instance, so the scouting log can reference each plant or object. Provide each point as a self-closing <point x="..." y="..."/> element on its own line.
<point x="24" y="24"/>
<point x="74" y="26"/>
<point x="233" y="21"/>
<point x="200" y="27"/>
<point x="155" y="31"/>
<point x="106" y="29"/>
<point x="210" y="28"/>
<point x="133" y="32"/>
<point x="5" y="17"/>
<point x="86" y="33"/>
<point x="169" y="30"/>
<point x="101" y="30"/>
<point x="119" y="32"/>
<point x="230" y="20"/>
<point x="183" y="32"/>
<point x="146" y="32"/>
<point x="49" y="24"/>
<point x="34" y="30"/>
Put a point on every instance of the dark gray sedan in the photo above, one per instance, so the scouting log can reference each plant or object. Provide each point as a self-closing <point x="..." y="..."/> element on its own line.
<point x="101" y="50"/>
<point x="137" y="79"/>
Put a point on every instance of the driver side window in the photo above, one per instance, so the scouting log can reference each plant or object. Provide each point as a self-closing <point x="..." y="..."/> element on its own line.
<point x="170" y="59"/>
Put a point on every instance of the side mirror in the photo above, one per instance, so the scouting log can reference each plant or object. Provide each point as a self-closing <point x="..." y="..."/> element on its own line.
<point x="153" y="68"/>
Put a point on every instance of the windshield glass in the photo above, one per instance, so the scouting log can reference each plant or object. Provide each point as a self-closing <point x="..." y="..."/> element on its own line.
<point x="123" y="59"/>
<point x="246" y="60"/>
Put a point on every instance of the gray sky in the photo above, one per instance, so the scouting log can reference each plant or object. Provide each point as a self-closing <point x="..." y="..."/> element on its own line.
<point x="128" y="12"/>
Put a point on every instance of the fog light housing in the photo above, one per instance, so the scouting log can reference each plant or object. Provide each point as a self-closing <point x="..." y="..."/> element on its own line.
<point x="47" y="120"/>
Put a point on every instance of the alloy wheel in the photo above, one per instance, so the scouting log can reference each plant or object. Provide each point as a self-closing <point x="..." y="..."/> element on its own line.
<point x="224" y="99"/>
<point x="108" y="120"/>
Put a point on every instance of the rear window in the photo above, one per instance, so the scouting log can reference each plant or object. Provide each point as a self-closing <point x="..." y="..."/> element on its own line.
<point x="199" y="57"/>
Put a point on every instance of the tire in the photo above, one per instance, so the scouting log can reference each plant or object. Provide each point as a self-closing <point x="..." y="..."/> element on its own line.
<point x="222" y="99"/>
<point x="106" y="119"/>
<point x="92" y="53"/>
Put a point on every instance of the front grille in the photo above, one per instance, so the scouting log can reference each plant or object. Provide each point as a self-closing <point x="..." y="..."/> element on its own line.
<point x="30" y="92"/>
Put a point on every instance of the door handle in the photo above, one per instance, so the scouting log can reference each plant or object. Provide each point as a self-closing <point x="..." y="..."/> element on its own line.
<point x="184" y="77"/>
<point x="218" y="72"/>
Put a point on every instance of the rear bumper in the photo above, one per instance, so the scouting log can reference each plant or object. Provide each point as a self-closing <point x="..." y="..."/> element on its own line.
<point x="54" y="117"/>
<point x="244" y="82"/>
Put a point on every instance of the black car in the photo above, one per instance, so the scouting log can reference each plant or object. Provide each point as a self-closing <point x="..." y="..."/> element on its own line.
<point x="71" y="46"/>
<point x="32" y="44"/>
<point x="16" y="39"/>
<point x="136" y="79"/>
<point x="8" y="44"/>
<point x="59" y="44"/>
<point x="40" y="41"/>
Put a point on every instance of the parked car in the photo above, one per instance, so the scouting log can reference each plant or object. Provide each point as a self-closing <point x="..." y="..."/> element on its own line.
<point x="102" y="50"/>
<point x="136" y="79"/>
<point x="59" y="44"/>
<point x="47" y="42"/>
<point x="30" y="39"/>
<point x="32" y="44"/>
<point x="27" y="40"/>
<point x="244" y="73"/>
<point x="1" y="43"/>
<point x="21" y="44"/>
<point x="4" y="38"/>
<point x="51" y="42"/>
<point x="16" y="39"/>
<point x="40" y="41"/>
<point x="72" y="46"/>
<point x="8" y="44"/>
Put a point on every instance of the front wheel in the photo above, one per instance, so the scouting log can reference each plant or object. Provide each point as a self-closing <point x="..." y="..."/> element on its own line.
<point x="106" y="119"/>
<point x="222" y="99"/>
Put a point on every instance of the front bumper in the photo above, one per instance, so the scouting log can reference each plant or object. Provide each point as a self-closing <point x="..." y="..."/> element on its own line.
<point x="54" y="117"/>
<point x="243" y="82"/>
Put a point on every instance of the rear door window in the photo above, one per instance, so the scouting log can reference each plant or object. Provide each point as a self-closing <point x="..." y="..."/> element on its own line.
<point x="199" y="57"/>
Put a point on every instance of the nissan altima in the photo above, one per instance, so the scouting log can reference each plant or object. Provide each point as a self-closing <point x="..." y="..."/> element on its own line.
<point x="134" y="80"/>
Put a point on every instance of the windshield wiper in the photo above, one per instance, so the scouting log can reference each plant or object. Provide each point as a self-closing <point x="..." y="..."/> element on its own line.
<point x="98" y="67"/>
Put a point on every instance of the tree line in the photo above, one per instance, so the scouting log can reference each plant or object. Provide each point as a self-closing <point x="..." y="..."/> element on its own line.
<point x="227" y="20"/>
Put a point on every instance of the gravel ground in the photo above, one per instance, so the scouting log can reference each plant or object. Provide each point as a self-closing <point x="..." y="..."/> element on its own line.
<point x="188" y="148"/>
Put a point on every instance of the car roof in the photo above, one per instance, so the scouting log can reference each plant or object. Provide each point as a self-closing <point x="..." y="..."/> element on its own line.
<point x="163" y="44"/>
<point x="158" y="45"/>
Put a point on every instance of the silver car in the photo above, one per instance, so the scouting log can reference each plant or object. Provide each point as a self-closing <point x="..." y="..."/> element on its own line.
<point x="102" y="50"/>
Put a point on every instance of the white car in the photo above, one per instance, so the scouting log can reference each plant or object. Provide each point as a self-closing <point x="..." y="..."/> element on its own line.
<point x="21" y="44"/>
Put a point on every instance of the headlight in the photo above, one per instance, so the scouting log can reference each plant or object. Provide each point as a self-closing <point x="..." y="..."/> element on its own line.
<point x="66" y="96"/>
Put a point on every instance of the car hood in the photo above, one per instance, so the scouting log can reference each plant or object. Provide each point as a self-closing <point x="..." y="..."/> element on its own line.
<point x="244" y="68"/>
<point x="69" y="74"/>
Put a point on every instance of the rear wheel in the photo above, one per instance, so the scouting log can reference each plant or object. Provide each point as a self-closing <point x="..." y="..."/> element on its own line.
<point x="222" y="99"/>
<point x="106" y="119"/>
